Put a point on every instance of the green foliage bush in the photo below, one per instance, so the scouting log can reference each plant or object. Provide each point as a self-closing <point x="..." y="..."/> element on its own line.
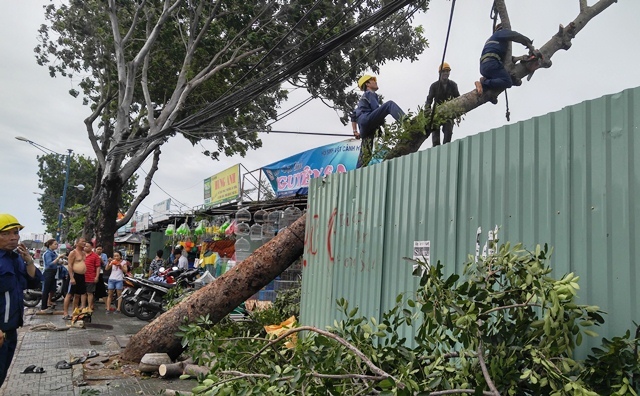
<point x="507" y="328"/>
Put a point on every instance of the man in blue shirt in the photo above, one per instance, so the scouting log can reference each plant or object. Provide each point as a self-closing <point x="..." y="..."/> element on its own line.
<point x="17" y="272"/>
<point x="494" y="75"/>
<point x="370" y="115"/>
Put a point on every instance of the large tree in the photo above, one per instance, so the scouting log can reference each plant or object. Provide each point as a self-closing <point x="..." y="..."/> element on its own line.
<point x="82" y="171"/>
<point x="220" y="297"/>
<point x="151" y="69"/>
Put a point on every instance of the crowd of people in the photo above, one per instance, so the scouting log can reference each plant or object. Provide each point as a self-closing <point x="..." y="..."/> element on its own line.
<point x="82" y="272"/>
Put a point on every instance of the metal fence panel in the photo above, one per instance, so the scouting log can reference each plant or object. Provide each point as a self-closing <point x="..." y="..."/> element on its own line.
<point x="569" y="179"/>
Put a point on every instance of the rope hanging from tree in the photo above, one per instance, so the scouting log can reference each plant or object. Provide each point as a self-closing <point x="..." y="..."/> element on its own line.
<point x="444" y="53"/>
<point x="494" y="15"/>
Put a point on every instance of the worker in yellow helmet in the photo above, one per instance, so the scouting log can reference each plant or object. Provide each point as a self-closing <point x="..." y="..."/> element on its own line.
<point x="370" y="115"/>
<point x="17" y="272"/>
<point x="442" y="91"/>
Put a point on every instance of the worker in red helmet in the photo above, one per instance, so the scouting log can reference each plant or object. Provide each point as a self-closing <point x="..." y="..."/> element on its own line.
<point x="370" y="115"/>
<point x="442" y="91"/>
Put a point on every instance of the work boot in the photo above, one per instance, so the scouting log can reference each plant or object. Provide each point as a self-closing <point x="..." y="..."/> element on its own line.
<point x="493" y="99"/>
<point x="478" y="88"/>
<point x="515" y="80"/>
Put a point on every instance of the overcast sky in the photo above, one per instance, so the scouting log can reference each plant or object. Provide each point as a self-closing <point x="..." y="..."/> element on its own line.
<point x="603" y="60"/>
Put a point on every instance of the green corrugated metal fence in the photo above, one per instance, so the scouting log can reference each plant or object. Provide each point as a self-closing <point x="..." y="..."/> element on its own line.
<point x="567" y="178"/>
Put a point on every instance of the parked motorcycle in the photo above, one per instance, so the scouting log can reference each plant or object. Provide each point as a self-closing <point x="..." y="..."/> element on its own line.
<point x="32" y="297"/>
<point x="131" y="286"/>
<point x="149" y="298"/>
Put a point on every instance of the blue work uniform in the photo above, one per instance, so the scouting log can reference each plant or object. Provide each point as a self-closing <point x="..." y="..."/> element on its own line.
<point x="13" y="280"/>
<point x="370" y="115"/>
<point x="492" y="58"/>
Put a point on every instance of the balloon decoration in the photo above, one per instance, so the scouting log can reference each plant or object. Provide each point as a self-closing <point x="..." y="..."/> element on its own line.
<point x="183" y="230"/>
<point x="201" y="229"/>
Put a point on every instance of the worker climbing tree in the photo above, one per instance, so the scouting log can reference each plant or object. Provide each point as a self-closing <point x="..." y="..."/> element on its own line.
<point x="494" y="74"/>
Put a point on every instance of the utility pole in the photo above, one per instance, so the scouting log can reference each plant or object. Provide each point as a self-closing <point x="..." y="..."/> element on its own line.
<point x="64" y="195"/>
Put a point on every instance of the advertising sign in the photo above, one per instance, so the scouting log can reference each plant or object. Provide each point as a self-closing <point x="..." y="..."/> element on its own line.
<point x="290" y="176"/>
<point x="142" y="222"/>
<point x="223" y="186"/>
<point x="161" y="210"/>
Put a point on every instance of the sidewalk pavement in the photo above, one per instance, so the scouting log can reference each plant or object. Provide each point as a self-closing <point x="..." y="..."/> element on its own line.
<point x="107" y="334"/>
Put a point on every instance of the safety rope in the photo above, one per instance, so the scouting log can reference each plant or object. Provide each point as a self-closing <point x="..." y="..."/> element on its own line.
<point x="444" y="53"/>
<point x="494" y="15"/>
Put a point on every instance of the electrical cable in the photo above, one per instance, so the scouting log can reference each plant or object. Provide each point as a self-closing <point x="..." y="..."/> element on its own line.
<point x="357" y="62"/>
<point x="224" y="105"/>
<point x="162" y="189"/>
<point x="444" y="53"/>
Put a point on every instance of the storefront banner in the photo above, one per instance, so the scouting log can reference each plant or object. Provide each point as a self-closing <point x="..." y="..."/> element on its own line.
<point x="290" y="176"/>
<point x="161" y="210"/>
<point x="223" y="186"/>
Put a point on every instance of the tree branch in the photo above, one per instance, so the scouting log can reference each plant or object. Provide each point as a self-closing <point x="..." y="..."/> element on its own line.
<point x="469" y="101"/>
<point x="88" y="122"/>
<point x="166" y="12"/>
<point x="197" y="81"/>
<point x="144" y="82"/>
<point x="485" y="372"/>
<point x="583" y="5"/>
<point x="134" y="22"/>
<point x="145" y="190"/>
<point x="456" y="391"/>
<point x="383" y="374"/>
<point x="509" y="307"/>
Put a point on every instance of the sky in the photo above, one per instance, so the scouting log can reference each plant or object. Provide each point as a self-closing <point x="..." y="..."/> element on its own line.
<point x="33" y="105"/>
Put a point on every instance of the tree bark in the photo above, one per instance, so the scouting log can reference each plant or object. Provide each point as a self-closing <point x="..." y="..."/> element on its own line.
<point x="219" y="298"/>
<point x="108" y="202"/>
<point x="194" y="370"/>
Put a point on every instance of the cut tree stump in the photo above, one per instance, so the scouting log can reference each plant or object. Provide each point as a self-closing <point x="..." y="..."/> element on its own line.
<point x="171" y="370"/>
<point x="151" y="361"/>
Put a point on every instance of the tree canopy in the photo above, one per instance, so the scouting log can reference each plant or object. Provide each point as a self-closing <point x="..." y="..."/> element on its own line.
<point x="209" y="70"/>
<point x="82" y="170"/>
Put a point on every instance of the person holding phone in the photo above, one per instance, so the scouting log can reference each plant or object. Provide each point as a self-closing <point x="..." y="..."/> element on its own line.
<point x="17" y="272"/>
<point x="118" y="268"/>
<point x="51" y="263"/>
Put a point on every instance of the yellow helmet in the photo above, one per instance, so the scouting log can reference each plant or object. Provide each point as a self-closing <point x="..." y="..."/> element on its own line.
<point x="444" y="66"/>
<point x="364" y="79"/>
<point x="8" y="222"/>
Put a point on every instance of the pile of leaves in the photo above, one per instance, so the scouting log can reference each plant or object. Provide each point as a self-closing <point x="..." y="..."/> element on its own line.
<point x="507" y="328"/>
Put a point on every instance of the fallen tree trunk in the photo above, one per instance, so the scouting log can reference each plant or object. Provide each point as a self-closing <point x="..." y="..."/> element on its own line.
<point x="219" y="298"/>
<point x="194" y="370"/>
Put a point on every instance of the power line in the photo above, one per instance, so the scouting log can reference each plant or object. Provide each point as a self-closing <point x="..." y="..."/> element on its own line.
<point x="228" y="103"/>
<point x="162" y="189"/>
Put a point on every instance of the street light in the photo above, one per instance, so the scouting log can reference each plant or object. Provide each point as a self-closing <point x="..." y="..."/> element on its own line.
<point x="66" y="179"/>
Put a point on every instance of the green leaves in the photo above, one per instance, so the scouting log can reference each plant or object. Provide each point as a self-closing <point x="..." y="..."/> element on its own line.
<point x="507" y="308"/>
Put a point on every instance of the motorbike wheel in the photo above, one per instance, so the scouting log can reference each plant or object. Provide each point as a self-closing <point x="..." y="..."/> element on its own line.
<point x="31" y="299"/>
<point x="143" y="313"/>
<point x="58" y="293"/>
<point x="128" y="307"/>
